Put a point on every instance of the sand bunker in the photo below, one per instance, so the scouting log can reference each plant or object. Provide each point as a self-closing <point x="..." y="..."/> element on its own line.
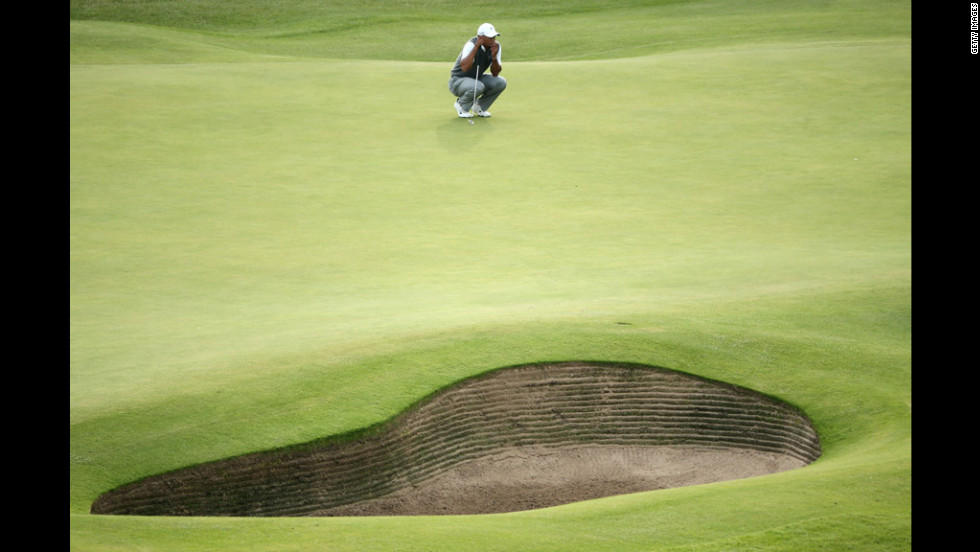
<point x="514" y="439"/>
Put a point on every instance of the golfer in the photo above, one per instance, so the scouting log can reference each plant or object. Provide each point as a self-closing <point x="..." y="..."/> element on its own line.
<point x="475" y="90"/>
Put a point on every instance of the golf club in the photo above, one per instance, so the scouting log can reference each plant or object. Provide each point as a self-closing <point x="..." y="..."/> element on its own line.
<point x="476" y="80"/>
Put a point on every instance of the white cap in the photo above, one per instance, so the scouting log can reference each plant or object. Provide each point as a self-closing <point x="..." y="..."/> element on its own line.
<point x="487" y="30"/>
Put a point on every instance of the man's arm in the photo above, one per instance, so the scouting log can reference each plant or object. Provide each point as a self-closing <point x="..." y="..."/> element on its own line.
<point x="466" y="62"/>
<point x="495" y="67"/>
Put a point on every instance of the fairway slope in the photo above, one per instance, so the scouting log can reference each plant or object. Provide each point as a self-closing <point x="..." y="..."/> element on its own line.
<point x="517" y="439"/>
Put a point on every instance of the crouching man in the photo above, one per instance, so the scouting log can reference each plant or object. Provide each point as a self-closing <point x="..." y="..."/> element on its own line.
<point x="474" y="90"/>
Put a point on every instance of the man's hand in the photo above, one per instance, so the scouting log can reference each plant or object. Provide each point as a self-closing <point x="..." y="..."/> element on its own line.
<point x="494" y="64"/>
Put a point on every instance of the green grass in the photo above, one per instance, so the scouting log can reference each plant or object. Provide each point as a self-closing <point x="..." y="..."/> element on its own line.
<point x="279" y="230"/>
<point x="433" y="30"/>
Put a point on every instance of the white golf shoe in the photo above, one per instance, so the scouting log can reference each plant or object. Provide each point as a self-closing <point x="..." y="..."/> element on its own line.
<point x="461" y="113"/>
<point x="480" y="112"/>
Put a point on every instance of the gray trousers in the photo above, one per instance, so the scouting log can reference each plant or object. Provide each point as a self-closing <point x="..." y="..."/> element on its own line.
<point x="487" y="90"/>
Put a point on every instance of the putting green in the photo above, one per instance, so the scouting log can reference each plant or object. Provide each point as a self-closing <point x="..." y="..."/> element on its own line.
<point x="264" y="251"/>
